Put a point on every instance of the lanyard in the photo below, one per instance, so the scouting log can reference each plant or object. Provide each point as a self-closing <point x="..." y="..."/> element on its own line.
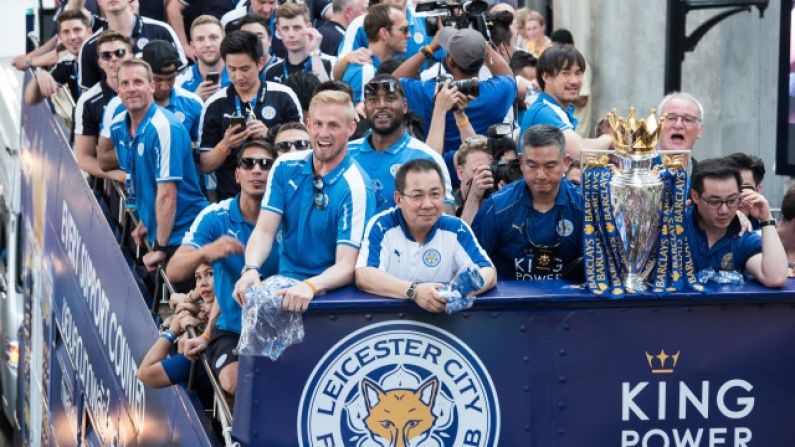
<point x="307" y="67"/>
<point x="252" y="105"/>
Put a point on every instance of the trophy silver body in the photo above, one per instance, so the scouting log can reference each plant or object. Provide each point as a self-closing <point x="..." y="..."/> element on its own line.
<point x="636" y="195"/>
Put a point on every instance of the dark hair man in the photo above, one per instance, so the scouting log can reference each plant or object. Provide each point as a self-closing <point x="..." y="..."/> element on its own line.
<point x="242" y="111"/>
<point x="532" y="228"/>
<point x="752" y="172"/>
<point x="321" y="200"/>
<point x="255" y="23"/>
<point x="398" y="242"/>
<point x="560" y="73"/>
<point x="713" y="228"/>
<point x="219" y="236"/>
<point x="388" y="145"/>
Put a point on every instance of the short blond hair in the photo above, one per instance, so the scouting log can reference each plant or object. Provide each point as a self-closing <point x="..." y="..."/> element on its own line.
<point x="292" y="10"/>
<point x="333" y="97"/>
<point x="205" y="19"/>
<point x="535" y="16"/>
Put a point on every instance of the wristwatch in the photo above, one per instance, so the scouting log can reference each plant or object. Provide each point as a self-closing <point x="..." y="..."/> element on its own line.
<point x="248" y="267"/>
<point x="765" y="223"/>
<point x="411" y="292"/>
<point x="158" y="247"/>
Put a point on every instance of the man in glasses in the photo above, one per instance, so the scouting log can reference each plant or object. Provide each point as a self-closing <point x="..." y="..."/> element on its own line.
<point x="114" y="48"/>
<point x="410" y="251"/>
<point x="242" y="111"/>
<point x="684" y="124"/>
<point x="388" y="145"/>
<point x="154" y="148"/>
<point x="302" y="42"/>
<point x="321" y="200"/>
<point x="219" y="236"/>
<point x="387" y="33"/>
<point x="139" y="29"/>
<point x="291" y="137"/>
<point x="532" y="228"/>
<point x="713" y="228"/>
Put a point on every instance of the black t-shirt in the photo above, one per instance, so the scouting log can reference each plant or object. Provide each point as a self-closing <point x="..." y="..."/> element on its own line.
<point x="65" y="72"/>
<point x="90" y="107"/>
<point x="144" y="30"/>
<point x="333" y="33"/>
<point x="280" y="71"/>
<point x="154" y="9"/>
<point x="275" y="104"/>
<point x="195" y="8"/>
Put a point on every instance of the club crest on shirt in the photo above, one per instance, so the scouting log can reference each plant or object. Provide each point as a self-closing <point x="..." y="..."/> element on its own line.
<point x="140" y="148"/>
<point x="268" y="112"/>
<point x="727" y="262"/>
<point x="394" y="169"/>
<point x="180" y="116"/>
<point x="564" y="228"/>
<point x="142" y="43"/>
<point x="419" y="38"/>
<point x="431" y="257"/>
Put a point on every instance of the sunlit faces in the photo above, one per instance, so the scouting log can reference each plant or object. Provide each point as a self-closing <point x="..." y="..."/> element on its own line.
<point x="164" y="83"/>
<point x="289" y="140"/>
<point x="533" y="30"/>
<point x="330" y="127"/>
<point x="293" y="32"/>
<point x="204" y="282"/>
<point x="385" y="110"/>
<point x="243" y="71"/>
<point x="474" y="160"/>
<point x="263" y="7"/>
<point x="682" y="126"/>
<point x="206" y="42"/>
<point x="718" y="203"/>
<point x="259" y="31"/>
<point x="113" y="49"/>
<point x="398" y="32"/>
<point x="565" y="85"/>
<point x="542" y="168"/>
<point x="253" y="179"/>
<point x="72" y="35"/>
<point x="422" y="200"/>
<point x="136" y="90"/>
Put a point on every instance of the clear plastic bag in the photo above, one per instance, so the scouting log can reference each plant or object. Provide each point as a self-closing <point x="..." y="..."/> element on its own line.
<point x="720" y="276"/>
<point x="267" y="330"/>
<point x="459" y="292"/>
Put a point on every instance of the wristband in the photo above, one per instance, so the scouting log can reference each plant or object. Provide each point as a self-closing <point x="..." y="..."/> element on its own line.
<point x="158" y="247"/>
<point x="463" y="123"/>
<point x="248" y="267"/>
<point x="426" y="51"/>
<point x="205" y="336"/>
<point x="122" y="178"/>
<point x="766" y="223"/>
<point x="169" y="335"/>
<point x="311" y="286"/>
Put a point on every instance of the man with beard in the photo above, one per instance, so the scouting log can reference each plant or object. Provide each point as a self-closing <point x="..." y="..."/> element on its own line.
<point x="388" y="145"/>
<point x="322" y="201"/>
<point x="206" y="34"/>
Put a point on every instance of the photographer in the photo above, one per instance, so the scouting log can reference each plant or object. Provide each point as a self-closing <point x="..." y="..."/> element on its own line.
<point x="467" y="51"/>
<point x="448" y="99"/>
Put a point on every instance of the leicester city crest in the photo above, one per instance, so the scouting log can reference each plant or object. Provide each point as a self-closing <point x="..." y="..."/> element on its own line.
<point x="431" y="258"/>
<point x="399" y="383"/>
<point x="564" y="228"/>
<point x="268" y="113"/>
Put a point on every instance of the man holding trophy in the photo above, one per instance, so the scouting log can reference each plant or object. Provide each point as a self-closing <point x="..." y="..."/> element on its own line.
<point x="532" y="228"/>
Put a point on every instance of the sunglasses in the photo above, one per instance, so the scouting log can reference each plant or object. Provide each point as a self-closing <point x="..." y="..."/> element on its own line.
<point x="249" y="163"/>
<point x="403" y="29"/>
<point x="387" y="85"/>
<point x="321" y="198"/>
<point x="285" y="146"/>
<point x="108" y="55"/>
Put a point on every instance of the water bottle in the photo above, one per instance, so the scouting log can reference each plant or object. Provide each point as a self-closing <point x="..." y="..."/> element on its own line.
<point x="129" y="189"/>
<point x="459" y="292"/>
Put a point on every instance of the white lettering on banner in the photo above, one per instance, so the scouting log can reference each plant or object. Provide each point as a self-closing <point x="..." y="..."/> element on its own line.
<point x="691" y="403"/>
<point x="110" y="331"/>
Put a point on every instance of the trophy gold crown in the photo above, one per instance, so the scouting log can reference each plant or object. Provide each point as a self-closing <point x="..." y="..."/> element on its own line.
<point x="633" y="135"/>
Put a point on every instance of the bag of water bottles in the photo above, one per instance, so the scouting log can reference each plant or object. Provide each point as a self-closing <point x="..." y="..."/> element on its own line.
<point x="720" y="276"/>
<point x="460" y="291"/>
<point x="267" y="330"/>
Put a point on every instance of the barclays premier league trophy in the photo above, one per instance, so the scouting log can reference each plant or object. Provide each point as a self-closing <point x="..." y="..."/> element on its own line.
<point x="634" y="213"/>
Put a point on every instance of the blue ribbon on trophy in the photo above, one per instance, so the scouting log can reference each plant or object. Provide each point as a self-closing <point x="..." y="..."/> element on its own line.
<point x="634" y="213"/>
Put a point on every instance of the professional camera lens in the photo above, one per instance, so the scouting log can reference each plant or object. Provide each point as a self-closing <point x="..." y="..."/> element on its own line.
<point x="469" y="87"/>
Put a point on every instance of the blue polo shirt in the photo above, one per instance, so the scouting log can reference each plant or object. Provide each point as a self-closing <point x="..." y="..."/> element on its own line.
<point x="547" y="110"/>
<point x="159" y="152"/>
<point x="192" y="77"/>
<point x="357" y="76"/>
<point x="731" y="252"/>
<point x="186" y="107"/>
<point x="507" y="226"/>
<point x="311" y="234"/>
<point x="382" y="167"/>
<point x="494" y="100"/>
<point x="225" y="219"/>
<point x="449" y="248"/>
<point x="418" y="36"/>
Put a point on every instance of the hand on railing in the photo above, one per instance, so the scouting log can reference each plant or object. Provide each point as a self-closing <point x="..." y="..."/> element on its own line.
<point x="153" y="259"/>
<point x="138" y="235"/>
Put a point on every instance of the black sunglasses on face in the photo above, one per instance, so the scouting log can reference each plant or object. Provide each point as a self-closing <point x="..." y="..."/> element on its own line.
<point x="108" y="55"/>
<point x="249" y="163"/>
<point x="388" y="86"/>
<point x="285" y="146"/>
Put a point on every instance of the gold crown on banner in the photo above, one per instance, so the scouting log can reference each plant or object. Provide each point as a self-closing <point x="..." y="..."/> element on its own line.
<point x="633" y="135"/>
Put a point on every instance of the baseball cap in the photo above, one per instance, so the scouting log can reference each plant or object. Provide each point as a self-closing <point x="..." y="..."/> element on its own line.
<point x="162" y="57"/>
<point x="466" y="46"/>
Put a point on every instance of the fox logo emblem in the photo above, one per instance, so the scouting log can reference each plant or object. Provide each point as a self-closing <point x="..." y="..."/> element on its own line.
<point x="400" y="417"/>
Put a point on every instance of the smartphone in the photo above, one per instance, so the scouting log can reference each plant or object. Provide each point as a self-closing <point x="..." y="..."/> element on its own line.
<point x="235" y="120"/>
<point x="213" y="76"/>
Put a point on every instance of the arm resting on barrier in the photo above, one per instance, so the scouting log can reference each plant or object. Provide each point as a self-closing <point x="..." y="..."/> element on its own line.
<point x="770" y="266"/>
<point x="489" y="275"/>
<point x="379" y="282"/>
<point x="257" y="250"/>
<point x="297" y="297"/>
<point x="151" y="372"/>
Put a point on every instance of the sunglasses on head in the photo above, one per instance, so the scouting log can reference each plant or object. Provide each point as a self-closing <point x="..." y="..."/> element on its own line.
<point x="285" y="146"/>
<point x="387" y="85"/>
<point x="108" y="55"/>
<point x="249" y="163"/>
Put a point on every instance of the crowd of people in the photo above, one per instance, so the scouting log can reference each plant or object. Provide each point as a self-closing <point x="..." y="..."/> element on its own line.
<point x="338" y="142"/>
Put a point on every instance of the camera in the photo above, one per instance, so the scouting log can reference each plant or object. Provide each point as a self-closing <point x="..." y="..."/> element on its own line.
<point x="466" y="14"/>
<point x="499" y="141"/>
<point x="469" y="87"/>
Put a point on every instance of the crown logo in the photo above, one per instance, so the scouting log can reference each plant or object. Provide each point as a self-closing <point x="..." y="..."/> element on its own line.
<point x="635" y="136"/>
<point x="662" y="365"/>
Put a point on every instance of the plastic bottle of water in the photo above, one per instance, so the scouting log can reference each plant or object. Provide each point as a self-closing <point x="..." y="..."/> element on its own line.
<point x="129" y="189"/>
<point x="459" y="291"/>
